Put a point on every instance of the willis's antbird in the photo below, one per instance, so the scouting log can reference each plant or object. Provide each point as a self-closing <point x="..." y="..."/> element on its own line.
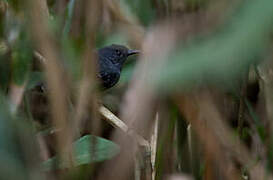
<point x="110" y="60"/>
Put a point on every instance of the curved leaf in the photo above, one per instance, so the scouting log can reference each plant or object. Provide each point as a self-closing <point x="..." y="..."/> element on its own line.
<point x="88" y="149"/>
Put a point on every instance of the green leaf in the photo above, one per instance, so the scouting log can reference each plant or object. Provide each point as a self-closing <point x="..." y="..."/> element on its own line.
<point x="86" y="152"/>
<point x="142" y="9"/>
<point x="69" y="17"/>
<point x="17" y="143"/>
<point x="224" y="56"/>
<point x="21" y="58"/>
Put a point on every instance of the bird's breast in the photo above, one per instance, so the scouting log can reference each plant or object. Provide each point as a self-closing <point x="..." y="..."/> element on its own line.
<point x="108" y="73"/>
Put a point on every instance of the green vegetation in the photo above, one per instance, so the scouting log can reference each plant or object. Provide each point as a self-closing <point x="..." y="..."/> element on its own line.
<point x="195" y="104"/>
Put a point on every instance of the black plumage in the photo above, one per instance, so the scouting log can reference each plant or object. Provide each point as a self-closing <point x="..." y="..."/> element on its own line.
<point x="110" y="60"/>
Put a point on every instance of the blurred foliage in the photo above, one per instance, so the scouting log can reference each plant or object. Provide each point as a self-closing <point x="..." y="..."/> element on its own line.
<point x="14" y="131"/>
<point x="218" y="59"/>
<point x="4" y="73"/>
<point x="21" y="59"/>
<point x="86" y="152"/>
<point x="143" y="10"/>
<point x="35" y="78"/>
<point x="221" y="57"/>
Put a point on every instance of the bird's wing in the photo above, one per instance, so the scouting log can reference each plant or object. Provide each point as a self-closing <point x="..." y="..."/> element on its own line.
<point x="108" y="79"/>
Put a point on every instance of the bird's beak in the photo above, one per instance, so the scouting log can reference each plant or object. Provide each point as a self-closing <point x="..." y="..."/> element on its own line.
<point x="131" y="52"/>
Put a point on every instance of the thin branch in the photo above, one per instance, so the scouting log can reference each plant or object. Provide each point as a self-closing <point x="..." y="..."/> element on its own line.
<point x="113" y="120"/>
<point x="154" y="138"/>
<point x="39" y="57"/>
<point x="119" y="124"/>
<point x="189" y="133"/>
<point x="242" y="105"/>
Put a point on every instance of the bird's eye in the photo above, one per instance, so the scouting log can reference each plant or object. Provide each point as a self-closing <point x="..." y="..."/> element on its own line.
<point x="118" y="52"/>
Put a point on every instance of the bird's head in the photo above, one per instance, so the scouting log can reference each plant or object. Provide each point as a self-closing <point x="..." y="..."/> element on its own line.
<point x="117" y="54"/>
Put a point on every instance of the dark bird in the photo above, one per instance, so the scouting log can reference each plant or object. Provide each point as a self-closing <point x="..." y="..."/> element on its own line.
<point x="111" y="59"/>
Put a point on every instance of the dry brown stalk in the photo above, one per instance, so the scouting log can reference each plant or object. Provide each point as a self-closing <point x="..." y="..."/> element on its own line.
<point x="130" y="25"/>
<point x="241" y="113"/>
<point x="217" y="137"/>
<point x="87" y="96"/>
<point x="54" y="76"/>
